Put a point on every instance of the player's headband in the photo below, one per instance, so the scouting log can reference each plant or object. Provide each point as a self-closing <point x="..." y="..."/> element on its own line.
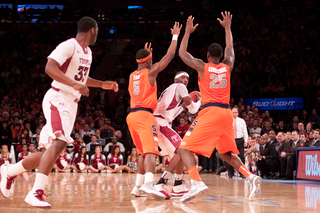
<point x="141" y="60"/>
<point x="181" y="74"/>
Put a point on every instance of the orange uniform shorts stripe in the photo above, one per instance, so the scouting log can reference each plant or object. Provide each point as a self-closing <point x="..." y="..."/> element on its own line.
<point x="144" y="131"/>
<point x="212" y="128"/>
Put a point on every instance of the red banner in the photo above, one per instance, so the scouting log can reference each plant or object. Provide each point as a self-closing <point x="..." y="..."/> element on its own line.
<point x="309" y="165"/>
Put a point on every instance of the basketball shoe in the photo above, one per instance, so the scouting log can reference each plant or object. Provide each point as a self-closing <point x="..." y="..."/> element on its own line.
<point x="179" y="190"/>
<point x="36" y="199"/>
<point x="162" y="188"/>
<point x="149" y="188"/>
<point x="255" y="187"/>
<point x="196" y="188"/>
<point x="6" y="181"/>
<point x="135" y="192"/>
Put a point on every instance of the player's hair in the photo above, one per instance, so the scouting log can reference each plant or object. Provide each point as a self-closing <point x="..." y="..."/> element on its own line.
<point x="85" y="24"/>
<point x="215" y="50"/>
<point x="142" y="53"/>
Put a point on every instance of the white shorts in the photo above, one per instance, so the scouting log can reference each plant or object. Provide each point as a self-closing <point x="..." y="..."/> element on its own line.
<point x="60" y="110"/>
<point x="169" y="140"/>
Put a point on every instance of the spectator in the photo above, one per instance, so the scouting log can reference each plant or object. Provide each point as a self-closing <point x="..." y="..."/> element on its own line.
<point x="106" y="133"/>
<point x="81" y="161"/>
<point x="315" y="142"/>
<point x="272" y="138"/>
<point x="5" y="157"/>
<point x="314" y="119"/>
<point x="115" y="161"/>
<point x="301" y="128"/>
<point x="267" y="128"/>
<point x="281" y="127"/>
<point x="86" y="133"/>
<point x="108" y="121"/>
<point x="93" y="142"/>
<point x="288" y="160"/>
<point x="63" y="162"/>
<point x="30" y="121"/>
<point x="182" y="128"/>
<point x="6" y="135"/>
<point x="32" y="148"/>
<point x="303" y="139"/>
<point x="267" y="158"/>
<point x="81" y="125"/>
<point x="255" y="128"/>
<point x="98" y="133"/>
<point x="22" y="155"/>
<point x="113" y="143"/>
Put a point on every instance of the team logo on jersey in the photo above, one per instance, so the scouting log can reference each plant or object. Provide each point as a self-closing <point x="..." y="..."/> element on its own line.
<point x="195" y="123"/>
<point x="136" y="77"/>
<point x="154" y="128"/>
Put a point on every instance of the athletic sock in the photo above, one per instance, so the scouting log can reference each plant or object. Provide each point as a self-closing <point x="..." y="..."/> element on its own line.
<point x="39" y="182"/>
<point x="178" y="176"/>
<point x="244" y="171"/>
<point x="166" y="175"/>
<point x="15" y="169"/>
<point x="194" y="175"/>
<point x="139" y="180"/>
<point x="148" y="177"/>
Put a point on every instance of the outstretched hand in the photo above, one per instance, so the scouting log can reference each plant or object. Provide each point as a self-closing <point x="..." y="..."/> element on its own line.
<point x="147" y="46"/>
<point x="189" y="26"/>
<point x="227" y="18"/>
<point x="175" y="30"/>
<point x="110" y="85"/>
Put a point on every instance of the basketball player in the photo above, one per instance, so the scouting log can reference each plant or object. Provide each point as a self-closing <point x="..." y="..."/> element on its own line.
<point x="169" y="140"/>
<point x="68" y="65"/>
<point x="213" y="127"/>
<point x="141" y="121"/>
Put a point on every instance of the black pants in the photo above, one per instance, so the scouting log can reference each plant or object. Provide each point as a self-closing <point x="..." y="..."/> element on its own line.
<point x="288" y="165"/>
<point x="208" y="163"/>
<point x="265" y="166"/>
<point x="240" y="146"/>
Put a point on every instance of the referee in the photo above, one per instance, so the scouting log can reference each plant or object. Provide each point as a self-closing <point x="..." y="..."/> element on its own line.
<point x="240" y="135"/>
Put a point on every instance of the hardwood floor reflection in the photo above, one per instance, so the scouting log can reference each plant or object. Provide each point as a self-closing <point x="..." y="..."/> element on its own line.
<point x="105" y="192"/>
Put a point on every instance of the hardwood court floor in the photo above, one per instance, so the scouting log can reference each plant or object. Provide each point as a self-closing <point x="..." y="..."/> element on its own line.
<point x="105" y="192"/>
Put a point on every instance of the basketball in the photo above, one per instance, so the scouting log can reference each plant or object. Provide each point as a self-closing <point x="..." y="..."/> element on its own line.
<point x="193" y="95"/>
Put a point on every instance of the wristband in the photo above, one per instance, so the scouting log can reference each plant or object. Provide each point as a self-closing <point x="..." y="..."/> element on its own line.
<point x="175" y="37"/>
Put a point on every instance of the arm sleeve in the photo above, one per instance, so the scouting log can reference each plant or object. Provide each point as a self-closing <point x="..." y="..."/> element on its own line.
<point x="194" y="107"/>
<point x="63" y="52"/>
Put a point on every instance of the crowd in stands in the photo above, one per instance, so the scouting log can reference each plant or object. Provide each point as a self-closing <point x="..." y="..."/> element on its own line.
<point x="281" y="43"/>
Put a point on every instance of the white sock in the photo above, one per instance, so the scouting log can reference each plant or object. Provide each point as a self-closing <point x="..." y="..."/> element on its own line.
<point x="15" y="169"/>
<point x="148" y="177"/>
<point x="39" y="182"/>
<point x="139" y="180"/>
<point x="178" y="176"/>
<point x="166" y="175"/>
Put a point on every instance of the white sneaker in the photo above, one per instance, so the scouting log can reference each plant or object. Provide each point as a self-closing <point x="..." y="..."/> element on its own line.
<point x="135" y="192"/>
<point x="179" y="190"/>
<point x="196" y="188"/>
<point x="36" y="199"/>
<point x="162" y="188"/>
<point x="6" y="181"/>
<point x="149" y="188"/>
<point x="255" y="191"/>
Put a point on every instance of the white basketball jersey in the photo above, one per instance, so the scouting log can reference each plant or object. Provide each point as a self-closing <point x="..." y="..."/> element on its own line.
<point x="169" y="101"/>
<point x="74" y="61"/>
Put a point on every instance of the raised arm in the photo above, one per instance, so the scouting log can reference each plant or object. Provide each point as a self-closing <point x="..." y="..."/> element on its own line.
<point x="229" y="51"/>
<point x="186" y="57"/>
<point x="166" y="59"/>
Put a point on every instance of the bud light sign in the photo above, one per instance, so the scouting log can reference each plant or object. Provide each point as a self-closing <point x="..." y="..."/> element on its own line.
<point x="276" y="103"/>
<point x="309" y="165"/>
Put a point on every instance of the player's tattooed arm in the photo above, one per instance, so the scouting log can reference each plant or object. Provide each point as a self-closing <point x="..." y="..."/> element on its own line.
<point x="186" y="57"/>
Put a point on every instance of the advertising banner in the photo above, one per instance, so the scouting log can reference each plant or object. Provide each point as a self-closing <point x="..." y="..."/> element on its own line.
<point x="276" y="103"/>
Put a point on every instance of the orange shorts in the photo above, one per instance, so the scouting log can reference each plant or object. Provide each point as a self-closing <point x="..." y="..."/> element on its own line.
<point x="144" y="132"/>
<point x="212" y="128"/>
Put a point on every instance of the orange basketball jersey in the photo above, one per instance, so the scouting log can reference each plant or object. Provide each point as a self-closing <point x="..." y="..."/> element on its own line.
<point x="215" y="83"/>
<point x="141" y="92"/>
